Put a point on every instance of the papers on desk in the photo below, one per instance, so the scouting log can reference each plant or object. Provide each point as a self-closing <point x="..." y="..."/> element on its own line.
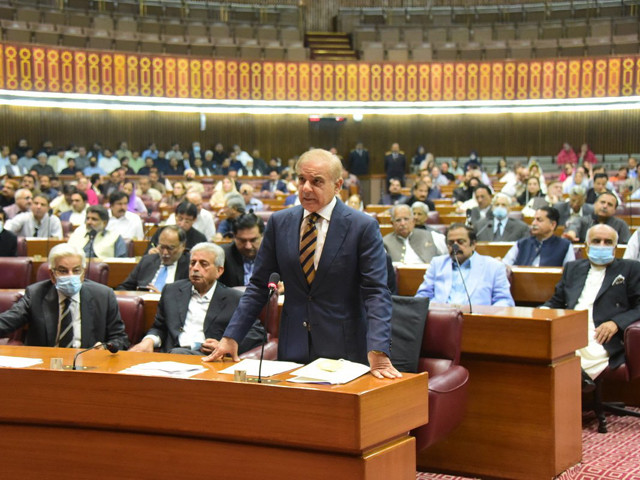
<point x="333" y="372"/>
<point x="269" y="367"/>
<point x="18" y="362"/>
<point x="165" y="369"/>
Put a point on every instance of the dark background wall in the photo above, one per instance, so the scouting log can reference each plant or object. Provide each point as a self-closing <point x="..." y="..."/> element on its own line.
<point x="289" y="135"/>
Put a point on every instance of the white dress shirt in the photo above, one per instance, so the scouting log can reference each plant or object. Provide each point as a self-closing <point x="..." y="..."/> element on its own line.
<point x="128" y="226"/>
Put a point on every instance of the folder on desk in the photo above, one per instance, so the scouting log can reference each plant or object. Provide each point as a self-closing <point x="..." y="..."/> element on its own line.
<point x="332" y="372"/>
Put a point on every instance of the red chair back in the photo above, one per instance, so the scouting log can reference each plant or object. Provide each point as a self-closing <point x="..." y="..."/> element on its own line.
<point x="96" y="271"/>
<point x="16" y="272"/>
<point x="132" y="313"/>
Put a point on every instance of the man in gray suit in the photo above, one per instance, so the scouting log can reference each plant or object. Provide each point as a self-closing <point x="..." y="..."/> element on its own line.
<point x="499" y="227"/>
<point x="67" y="310"/>
<point x="409" y="245"/>
<point x="193" y="314"/>
<point x="575" y="207"/>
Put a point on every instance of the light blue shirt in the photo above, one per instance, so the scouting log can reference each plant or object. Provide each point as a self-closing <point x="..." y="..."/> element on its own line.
<point x="458" y="294"/>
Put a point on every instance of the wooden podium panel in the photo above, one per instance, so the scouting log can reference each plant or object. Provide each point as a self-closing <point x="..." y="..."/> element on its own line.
<point x="524" y="416"/>
<point x="155" y="427"/>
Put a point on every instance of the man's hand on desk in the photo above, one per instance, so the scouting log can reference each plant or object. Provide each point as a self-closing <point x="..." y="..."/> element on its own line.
<point x="605" y="332"/>
<point x="571" y="235"/>
<point x="209" y="345"/>
<point x="381" y="366"/>
<point x="152" y="288"/>
<point x="226" y="346"/>
<point x="146" y="345"/>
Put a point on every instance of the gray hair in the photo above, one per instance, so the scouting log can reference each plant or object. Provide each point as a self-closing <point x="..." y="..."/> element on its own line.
<point x="421" y="205"/>
<point x="396" y="207"/>
<point x="65" y="250"/>
<point x="217" y="251"/>
<point x="606" y="227"/>
<point x="234" y="200"/>
<point x="577" y="190"/>
<point x="501" y="195"/>
<point x="21" y="192"/>
<point x="333" y="162"/>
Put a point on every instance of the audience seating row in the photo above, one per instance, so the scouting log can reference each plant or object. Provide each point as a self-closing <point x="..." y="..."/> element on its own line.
<point x="285" y="44"/>
<point x="350" y="18"/>
<point x="158" y="11"/>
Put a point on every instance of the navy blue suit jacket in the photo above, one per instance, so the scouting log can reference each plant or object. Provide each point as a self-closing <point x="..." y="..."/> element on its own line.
<point x="329" y="318"/>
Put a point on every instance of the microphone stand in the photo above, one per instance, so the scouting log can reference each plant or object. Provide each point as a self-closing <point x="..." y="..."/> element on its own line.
<point x="456" y="249"/>
<point x="107" y="346"/>
<point x="264" y="341"/>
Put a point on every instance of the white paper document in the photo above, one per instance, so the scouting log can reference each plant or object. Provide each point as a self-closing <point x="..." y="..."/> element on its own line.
<point x="165" y="369"/>
<point x="18" y="362"/>
<point x="324" y="370"/>
<point x="269" y="367"/>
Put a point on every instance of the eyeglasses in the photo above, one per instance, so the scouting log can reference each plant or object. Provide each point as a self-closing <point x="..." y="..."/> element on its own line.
<point x="61" y="271"/>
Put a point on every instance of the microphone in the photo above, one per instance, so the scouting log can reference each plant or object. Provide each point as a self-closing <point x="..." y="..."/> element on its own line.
<point x="274" y="278"/>
<point x="107" y="346"/>
<point x="468" y="215"/>
<point x="456" y="249"/>
<point x="488" y="225"/>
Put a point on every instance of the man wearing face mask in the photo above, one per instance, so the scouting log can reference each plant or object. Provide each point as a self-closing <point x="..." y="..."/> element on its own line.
<point x="609" y="289"/>
<point x="67" y="310"/>
<point x="501" y="228"/>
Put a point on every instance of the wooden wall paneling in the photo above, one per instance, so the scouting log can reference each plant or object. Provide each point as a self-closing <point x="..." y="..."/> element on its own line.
<point x="286" y="136"/>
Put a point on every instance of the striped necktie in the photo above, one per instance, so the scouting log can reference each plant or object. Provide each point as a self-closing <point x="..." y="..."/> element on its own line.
<point x="308" y="248"/>
<point x="65" y="325"/>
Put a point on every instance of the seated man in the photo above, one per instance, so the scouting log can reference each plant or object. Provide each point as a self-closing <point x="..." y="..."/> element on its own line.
<point x="204" y="222"/>
<point x="479" y="207"/>
<point x="67" y="310"/>
<point x="274" y="184"/>
<point x="95" y="239"/>
<point x="193" y="314"/>
<point x="155" y="270"/>
<point x="575" y="207"/>
<point x="37" y="222"/>
<point x="78" y="211"/>
<point x="409" y="245"/>
<point x="127" y="224"/>
<point x="419" y="194"/>
<point x="8" y="239"/>
<point x="185" y="218"/>
<point x="609" y="289"/>
<point x="395" y="195"/>
<point x="22" y="203"/>
<point x="251" y="203"/>
<point x="240" y="255"/>
<point x="499" y="227"/>
<point x="420" y="213"/>
<point x="485" y="277"/>
<point x="604" y="210"/>
<point x="542" y="248"/>
<point x="234" y="206"/>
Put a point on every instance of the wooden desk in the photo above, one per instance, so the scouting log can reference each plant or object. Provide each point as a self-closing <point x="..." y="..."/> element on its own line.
<point x="524" y="416"/>
<point x="63" y="424"/>
<point x="529" y="285"/>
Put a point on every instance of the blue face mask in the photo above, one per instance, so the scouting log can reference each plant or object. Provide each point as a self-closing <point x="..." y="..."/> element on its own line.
<point x="69" y="285"/>
<point x="500" y="213"/>
<point x="601" y="254"/>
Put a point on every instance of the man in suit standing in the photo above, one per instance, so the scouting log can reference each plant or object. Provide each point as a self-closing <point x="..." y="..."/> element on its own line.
<point x="409" y="245"/>
<point x="240" y="255"/>
<point x="67" y="310"/>
<point x="337" y="304"/>
<point x="395" y="164"/>
<point x="609" y="289"/>
<point x="192" y="314"/>
<point x="575" y="207"/>
<point x="358" y="162"/>
<point x="485" y="277"/>
<point x="8" y="239"/>
<point x="499" y="227"/>
<point x="156" y="270"/>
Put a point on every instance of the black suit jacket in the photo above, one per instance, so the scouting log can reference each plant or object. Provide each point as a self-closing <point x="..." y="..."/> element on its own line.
<point x="564" y="209"/>
<point x="8" y="244"/>
<point x="194" y="236"/>
<point x="144" y="271"/>
<point x="172" y="313"/>
<point x="358" y="163"/>
<point x="619" y="302"/>
<point x="39" y="308"/>
<point x="474" y="216"/>
<point x="233" y="275"/>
